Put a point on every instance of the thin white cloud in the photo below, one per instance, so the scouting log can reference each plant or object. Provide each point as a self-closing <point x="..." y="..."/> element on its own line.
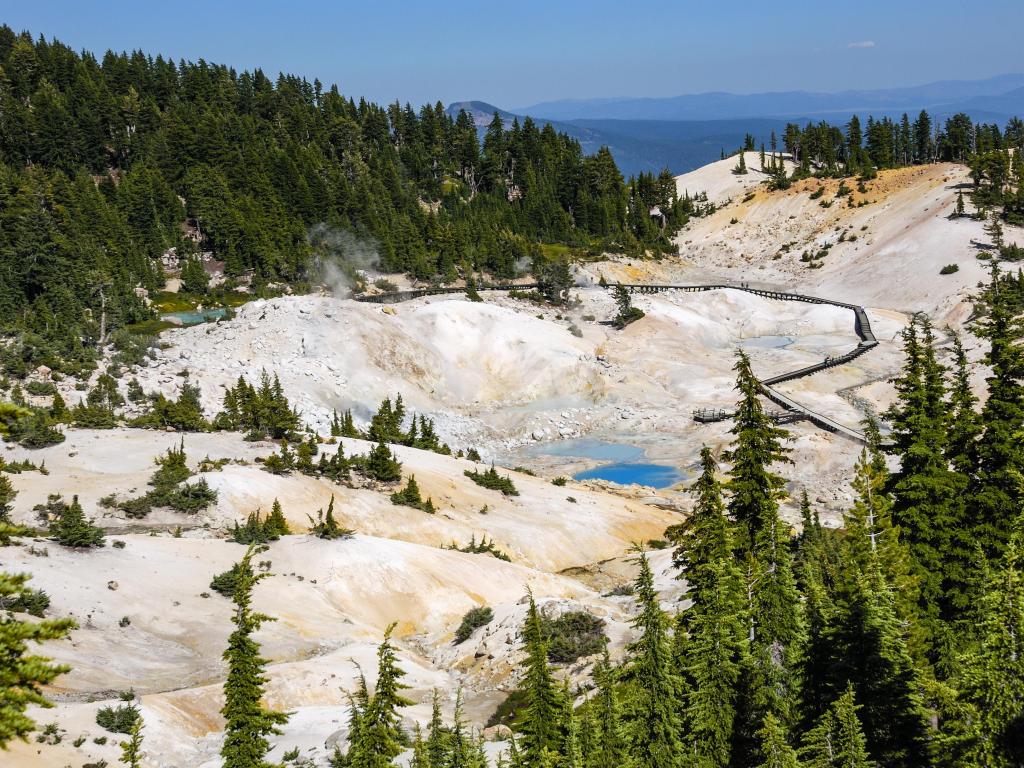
<point x="862" y="44"/>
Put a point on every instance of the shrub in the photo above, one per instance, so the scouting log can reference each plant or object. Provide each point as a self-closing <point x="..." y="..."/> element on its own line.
<point x="949" y="269"/>
<point x="491" y="480"/>
<point x="559" y="481"/>
<point x="31" y="601"/>
<point x="69" y="525"/>
<point x="326" y="526"/>
<point x="473" y="620"/>
<point x="118" y="719"/>
<point x="410" y="497"/>
<point x="573" y="635"/>
<point x="224" y="583"/>
<point x="483" y="547"/>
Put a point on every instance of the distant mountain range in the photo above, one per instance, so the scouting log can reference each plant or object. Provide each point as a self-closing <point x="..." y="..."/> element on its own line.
<point x="684" y="132"/>
<point x="1003" y="95"/>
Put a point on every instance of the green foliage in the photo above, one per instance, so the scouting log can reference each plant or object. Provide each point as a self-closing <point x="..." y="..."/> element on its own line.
<point x="837" y="739"/>
<point x="381" y="464"/>
<point x="23" y="675"/>
<point x="261" y="412"/>
<point x="482" y="547"/>
<point x="257" y="530"/>
<point x="491" y="480"/>
<point x="131" y="750"/>
<point x="410" y="497"/>
<point x="69" y="525"/>
<point x="654" y="721"/>
<point x="627" y="312"/>
<point x="169" y="488"/>
<point x="248" y="724"/>
<point x="7" y="494"/>
<point x="182" y="415"/>
<point x="224" y="583"/>
<point x="375" y="735"/>
<point x="573" y="635"/>
<point x="119" y="719"/>
<point x="31" y="601"/>
<point x="473" y="620"/>
<point x="326" y="526"/>
<point x="949" y="269"/>
<point x="540" y="721"/>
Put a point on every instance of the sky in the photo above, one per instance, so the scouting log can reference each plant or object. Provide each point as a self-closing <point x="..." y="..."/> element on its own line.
<point x="520" y="52"/>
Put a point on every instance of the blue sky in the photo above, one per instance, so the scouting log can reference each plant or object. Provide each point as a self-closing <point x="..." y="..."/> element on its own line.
<point x="520" y="52"/>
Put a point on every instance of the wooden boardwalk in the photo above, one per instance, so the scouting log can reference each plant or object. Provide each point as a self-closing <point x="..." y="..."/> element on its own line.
<point x="791" y="410"/>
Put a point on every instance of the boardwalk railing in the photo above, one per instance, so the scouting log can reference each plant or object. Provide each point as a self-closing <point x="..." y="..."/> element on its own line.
<point x="793" y="410"/>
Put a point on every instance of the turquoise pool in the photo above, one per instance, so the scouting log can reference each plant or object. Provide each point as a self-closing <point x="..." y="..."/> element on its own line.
<point x="195" y="317"/>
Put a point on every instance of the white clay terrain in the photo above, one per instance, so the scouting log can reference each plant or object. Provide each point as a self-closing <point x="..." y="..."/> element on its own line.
<point x="497" y="377"/>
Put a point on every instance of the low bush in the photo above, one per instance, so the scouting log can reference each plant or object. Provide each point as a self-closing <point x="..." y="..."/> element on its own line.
<point x="473" y="620"/>
<point x="119" y="719"/>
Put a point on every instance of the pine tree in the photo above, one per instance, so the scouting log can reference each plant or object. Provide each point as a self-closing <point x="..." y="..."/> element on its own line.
<point x="964" y="426"/>
<point x="7" y="494"/>
<point x="71" y="528"/>
<point x="775" y="748"/>
<point x="837" y="740"/>
<point x="379" y="738"/>
<point x="703" y="539"/>
<point x="22" y="675"/>
<point x="541" y="719"/>
<point x="995" y="495"/>
<point x="714" y="664"/>
<point x="247" y="722"/>
<point x="992" y="676"/>
<point x="276" y="525"/>
<point x="654" y="727"/>
<point x="869" y="652"/>
<point x="131" y="750"/>
<point x="437" y="736"/>
<point x="609" y="749"/>
<point x="381" y="464"/>
<point x="757" y="444"/>
<point x="741" y="166"/>
<point x="926" y="491"/>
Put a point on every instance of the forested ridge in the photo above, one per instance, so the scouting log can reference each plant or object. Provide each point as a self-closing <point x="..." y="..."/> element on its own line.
<point x="105" y="160"/>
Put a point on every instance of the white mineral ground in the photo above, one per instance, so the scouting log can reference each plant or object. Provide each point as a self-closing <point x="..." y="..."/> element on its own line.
<point x="508" y="378"/>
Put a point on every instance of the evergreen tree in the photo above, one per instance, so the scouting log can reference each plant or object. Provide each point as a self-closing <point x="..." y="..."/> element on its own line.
<point x="703" y="539"/>
<point x="837" y="740"/>
<point x="714" y="664"/>
<point x="925" y="489"/>
<point x="741" y="165"/>
<point x="247" y="722"/>
<point x="276" y="525"/>
<point x="992" y="676"/>
<point x="654" y="726"/>
<point x="541" y="724"/>
<point x="379" y="738"/>
<point x="7" y="494"/>
<point x="775" y="748"/>
<point x="23" y="675"/>
<point x="381" y="464"/>
<point x="869" y="653"/>
<point x="995" y="494"/>
<point x="757" y="444"/>
<point x="609" y="748"/>
<point x="131" y="750"/>
<point x="71" y="527"/>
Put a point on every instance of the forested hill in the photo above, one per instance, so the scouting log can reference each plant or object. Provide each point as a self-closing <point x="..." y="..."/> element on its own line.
<point x="104" y="161"/>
